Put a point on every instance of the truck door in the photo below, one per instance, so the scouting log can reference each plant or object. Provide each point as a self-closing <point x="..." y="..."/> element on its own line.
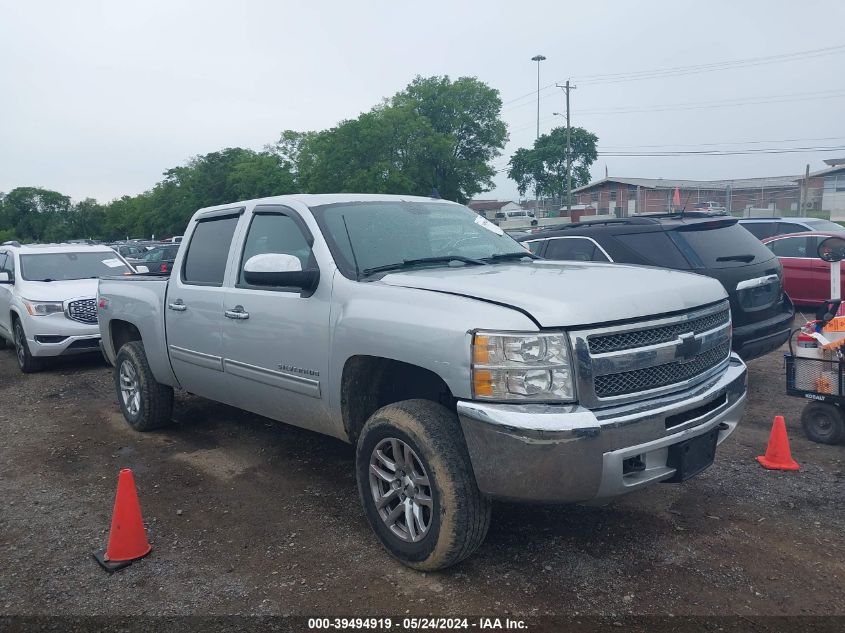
<point x="194" y="307"/>
<point x="276" y="341"/>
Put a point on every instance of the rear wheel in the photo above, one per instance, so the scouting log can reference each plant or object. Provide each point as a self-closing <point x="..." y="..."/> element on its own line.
<point x="26" y="361"/>
<point x="823" y="423"/>
<point x="145" y="403"/>
<point x="417" y="486"/>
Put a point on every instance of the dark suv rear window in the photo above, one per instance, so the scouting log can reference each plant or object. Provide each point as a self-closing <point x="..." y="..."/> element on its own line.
<point x="656" y="248"/>
<point x="721" y="246"/>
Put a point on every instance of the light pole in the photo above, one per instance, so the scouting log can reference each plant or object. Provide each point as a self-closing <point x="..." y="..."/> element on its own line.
<point x="538" y="59"/>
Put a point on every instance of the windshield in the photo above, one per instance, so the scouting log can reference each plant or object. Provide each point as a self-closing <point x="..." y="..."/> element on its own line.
<point x="387" y="233"/>
<point x="65" y="266"/>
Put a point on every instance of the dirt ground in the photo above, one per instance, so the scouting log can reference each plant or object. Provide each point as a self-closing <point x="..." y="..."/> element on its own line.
<point x="248" y="516"/>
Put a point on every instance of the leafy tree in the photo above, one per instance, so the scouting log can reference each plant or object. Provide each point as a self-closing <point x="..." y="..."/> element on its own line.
<point x="37" y="214"/>
<point x="543" y="167"/>
<point x="435" y="134"/>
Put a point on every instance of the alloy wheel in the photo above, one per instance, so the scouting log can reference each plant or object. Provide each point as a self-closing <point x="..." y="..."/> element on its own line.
<point x="130" y="391"/>
<point x="401" y="490"/>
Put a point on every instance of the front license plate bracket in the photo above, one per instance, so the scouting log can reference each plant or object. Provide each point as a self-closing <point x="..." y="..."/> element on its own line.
<point x="692" y="456"/>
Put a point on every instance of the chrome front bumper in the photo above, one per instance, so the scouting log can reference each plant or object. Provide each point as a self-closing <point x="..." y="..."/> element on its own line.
<point x="567" y="453"/>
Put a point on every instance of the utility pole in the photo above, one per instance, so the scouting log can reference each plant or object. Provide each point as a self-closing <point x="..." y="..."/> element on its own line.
<point x="804" y="198"/>
<point x="567" y="88"/>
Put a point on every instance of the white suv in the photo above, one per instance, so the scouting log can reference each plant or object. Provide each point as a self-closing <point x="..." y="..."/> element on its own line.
<point x="48" y="304"/>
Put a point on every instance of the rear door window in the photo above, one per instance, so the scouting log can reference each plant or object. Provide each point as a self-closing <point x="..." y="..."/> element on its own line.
<point x="794" y="247"/>
<point x="790" y="227"/>
<point x="208" y="251"/>
<point x="575" y="249"/>
<point x="760" y="230"/>
<point x="656" y="248"/>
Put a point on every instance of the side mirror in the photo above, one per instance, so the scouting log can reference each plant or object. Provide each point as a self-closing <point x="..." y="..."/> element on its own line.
<point x="832" y="249"/>
<point x="5" y="279"/>
<point x="142" y="270"/>
<point x="280" y="270"/>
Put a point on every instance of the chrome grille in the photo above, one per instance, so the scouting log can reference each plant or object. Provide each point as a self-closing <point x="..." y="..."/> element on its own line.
<point x="660" y="375"/>
<point x="83" y="310"/>
<point x="601" y="344"/>
<point x="643" y="359"/>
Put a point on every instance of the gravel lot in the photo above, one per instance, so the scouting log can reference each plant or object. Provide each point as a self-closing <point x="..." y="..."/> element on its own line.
<point x="249" y="516"/>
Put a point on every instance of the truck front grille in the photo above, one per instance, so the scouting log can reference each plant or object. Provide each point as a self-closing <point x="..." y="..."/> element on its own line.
<point x="642" y="338"/>
<point x="660" y="375"/>
<point x="650" y="357"/>
<point x="83" y="311"/>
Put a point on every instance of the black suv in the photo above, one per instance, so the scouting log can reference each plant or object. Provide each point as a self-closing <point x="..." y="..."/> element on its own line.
<point x="716" y="247"/>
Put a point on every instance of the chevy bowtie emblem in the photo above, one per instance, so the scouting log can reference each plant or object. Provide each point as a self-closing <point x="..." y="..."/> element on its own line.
<point x="688" y="348"/>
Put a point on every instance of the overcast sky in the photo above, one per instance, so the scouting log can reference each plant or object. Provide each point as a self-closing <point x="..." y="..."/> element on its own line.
<point x="99" y="98"/>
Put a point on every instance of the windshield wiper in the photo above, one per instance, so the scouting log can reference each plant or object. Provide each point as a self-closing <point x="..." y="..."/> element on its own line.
<point x="736" y="258"/>
<point x="424" y="260"/>
<point x="514" y="255"/>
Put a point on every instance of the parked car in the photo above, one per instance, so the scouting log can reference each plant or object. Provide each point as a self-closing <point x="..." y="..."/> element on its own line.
<point x="48" y="301"/>
<point x="159" y="259"/>
<point x="712" y="208"/>
<point x="460" y="366"/>
<point x="806" y="278"/>
<point x="762" y="228"/>
<point x="525" y="215"/>
<point x="132" y="253"/>
<point x="717" y="247"/>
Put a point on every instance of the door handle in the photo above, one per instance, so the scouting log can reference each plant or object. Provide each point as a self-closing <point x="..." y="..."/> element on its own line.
<point x="237" y="313"/>
<point x="177" y="306"/>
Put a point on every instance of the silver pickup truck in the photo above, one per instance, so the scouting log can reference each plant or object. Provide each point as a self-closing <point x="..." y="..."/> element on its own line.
<point x="461" y="367"/>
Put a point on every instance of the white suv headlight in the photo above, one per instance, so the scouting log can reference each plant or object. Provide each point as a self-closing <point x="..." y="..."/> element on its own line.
<point x="43" y="308"/>
<point x="526" y="367"/>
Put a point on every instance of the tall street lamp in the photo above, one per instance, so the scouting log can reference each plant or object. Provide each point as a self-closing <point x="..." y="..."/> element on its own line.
<point x="538" y="59"/>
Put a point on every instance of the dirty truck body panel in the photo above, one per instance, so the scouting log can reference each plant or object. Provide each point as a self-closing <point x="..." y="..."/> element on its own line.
<point x="648" y="350"/>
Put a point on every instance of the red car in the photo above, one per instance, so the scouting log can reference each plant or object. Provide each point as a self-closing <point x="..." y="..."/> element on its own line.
<point x="806" y="278"/>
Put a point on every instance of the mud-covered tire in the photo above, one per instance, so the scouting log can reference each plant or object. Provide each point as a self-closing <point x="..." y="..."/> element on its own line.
<point x="148" y="405"/>
<point x="28" y="363"/>
<point x="823" y="423"/>
<point x="459" y="514"/>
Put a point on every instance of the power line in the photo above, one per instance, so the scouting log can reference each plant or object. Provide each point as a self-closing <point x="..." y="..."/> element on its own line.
<point x="728" y="152"/>
<point x="783" y="140"/>
<point x="707" y="105"/>
<point x="690" y="70"/>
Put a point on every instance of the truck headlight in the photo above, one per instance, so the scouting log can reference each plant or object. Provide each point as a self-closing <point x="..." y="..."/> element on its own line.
<point x="525" y="367"/>
<point x="43" y="308"/>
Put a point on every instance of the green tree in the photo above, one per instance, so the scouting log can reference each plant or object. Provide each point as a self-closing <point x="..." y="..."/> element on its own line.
<point x="435" y="134"/>
<point x="35" y="214"/>
<point x="543" y="167"/>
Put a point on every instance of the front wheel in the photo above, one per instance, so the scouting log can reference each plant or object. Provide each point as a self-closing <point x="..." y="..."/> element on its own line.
<point x="146" y="404"/>
<point x="28" y="363"/>
<point x="417" y="486"/>
<point x="823" y="423"/>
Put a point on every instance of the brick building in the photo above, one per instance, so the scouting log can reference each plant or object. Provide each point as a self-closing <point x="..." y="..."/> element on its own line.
<point x="624" y="196"/>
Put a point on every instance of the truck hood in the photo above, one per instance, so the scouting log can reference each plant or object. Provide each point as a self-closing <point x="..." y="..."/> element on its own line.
<point x="58" y="290"/>
<point x="566" y="294"/>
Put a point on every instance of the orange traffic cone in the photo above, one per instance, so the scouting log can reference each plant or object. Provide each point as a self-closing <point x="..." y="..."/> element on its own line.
<point x="127" y="538"/>
<point x="778" y="456"/>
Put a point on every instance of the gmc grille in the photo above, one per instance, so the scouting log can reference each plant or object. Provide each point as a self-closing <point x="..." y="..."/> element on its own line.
<point x="83" y="311"/>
